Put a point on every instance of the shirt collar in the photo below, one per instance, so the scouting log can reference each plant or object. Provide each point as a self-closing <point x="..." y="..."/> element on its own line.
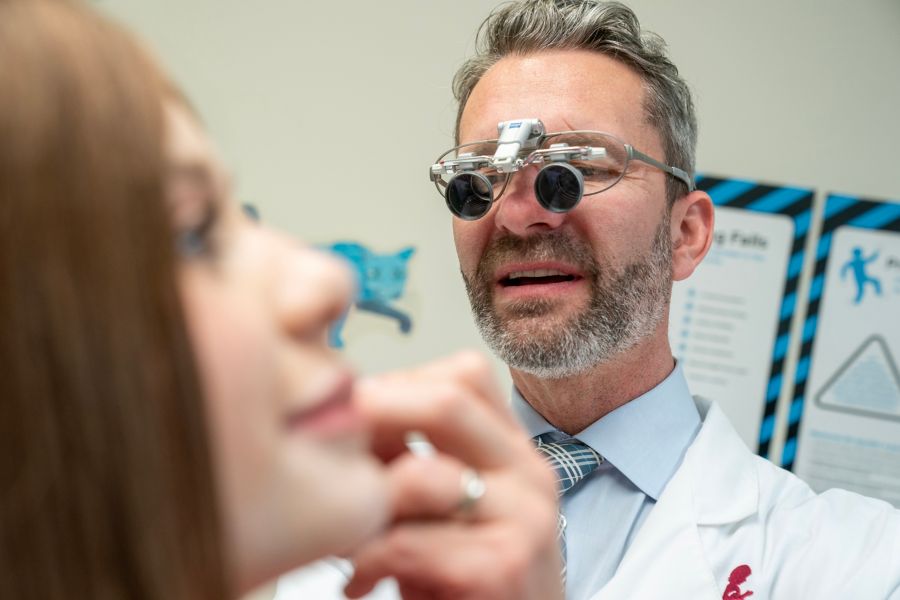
<point x="645" y="439"/>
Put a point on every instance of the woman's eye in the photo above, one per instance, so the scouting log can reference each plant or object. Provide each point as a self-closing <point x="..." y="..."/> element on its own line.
<point x="251" y="212"/>
<point x="197" y="241"/>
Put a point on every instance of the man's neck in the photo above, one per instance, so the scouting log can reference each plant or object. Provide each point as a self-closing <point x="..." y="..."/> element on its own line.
<point x="572" y="403"/>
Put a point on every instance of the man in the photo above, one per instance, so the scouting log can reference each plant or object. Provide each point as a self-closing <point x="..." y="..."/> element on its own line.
<point x="575" y="301"/>
<point x="569" y="276"/>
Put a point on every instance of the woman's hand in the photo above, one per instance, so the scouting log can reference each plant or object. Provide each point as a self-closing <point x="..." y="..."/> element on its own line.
<point x="444" y="542"/>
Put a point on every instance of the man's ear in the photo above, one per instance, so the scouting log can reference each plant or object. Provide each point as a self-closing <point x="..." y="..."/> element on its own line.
<point x="692" y="223"/>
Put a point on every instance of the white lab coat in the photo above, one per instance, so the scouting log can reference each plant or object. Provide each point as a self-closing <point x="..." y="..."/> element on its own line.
<point x="726" y="507"/>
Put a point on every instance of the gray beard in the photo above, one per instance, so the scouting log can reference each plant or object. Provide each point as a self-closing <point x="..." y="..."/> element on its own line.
<point x="625" y="306"/>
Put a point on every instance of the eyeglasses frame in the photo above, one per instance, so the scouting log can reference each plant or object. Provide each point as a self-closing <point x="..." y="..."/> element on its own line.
<point x="537" y="157"/>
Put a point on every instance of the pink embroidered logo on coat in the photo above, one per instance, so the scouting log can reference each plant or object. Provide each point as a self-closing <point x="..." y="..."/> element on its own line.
<point x="738" y="576"/>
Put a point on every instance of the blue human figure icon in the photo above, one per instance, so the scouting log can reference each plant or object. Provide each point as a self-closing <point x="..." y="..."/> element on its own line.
<point x="857" y="265"/>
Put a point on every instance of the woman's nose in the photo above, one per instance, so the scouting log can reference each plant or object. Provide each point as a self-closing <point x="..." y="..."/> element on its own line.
<point x="314" y="290"/>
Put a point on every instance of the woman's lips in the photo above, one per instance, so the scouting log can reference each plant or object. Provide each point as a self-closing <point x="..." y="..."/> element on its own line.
<point x="333" y="412"/>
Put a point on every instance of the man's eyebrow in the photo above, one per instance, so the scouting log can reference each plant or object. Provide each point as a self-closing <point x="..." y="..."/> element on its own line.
<point x="487" y="148"/>
<point x="575" y="139"/>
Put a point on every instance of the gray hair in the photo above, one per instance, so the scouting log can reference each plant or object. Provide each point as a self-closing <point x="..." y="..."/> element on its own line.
<point x="610" y="28"/>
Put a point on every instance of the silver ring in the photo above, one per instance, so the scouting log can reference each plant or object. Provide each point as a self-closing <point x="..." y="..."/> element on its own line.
<point x="472" y="488"/>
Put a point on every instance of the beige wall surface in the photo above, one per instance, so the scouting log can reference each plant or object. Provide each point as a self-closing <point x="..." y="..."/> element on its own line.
<point x="330" y="113"/>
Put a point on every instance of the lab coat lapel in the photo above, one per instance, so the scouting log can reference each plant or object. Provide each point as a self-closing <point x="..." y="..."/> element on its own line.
<point x="715" y="485"/>
<point x="724" y="472"/>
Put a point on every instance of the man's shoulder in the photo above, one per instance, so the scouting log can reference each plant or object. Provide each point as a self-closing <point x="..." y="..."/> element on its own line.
<point x="777" y="490"/>
<point x="838" y="541"/>
<point x="846" y="543"/>
<point x="784" y="492"/>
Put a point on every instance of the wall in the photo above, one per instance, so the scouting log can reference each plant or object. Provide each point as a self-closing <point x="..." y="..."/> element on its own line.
<point x="330" y="114"/>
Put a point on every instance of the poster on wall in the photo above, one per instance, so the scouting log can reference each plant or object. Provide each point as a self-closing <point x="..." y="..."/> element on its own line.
<point x="380" y="282"/>
<point x="729" y="323"/>
<point x="844" y="424"/>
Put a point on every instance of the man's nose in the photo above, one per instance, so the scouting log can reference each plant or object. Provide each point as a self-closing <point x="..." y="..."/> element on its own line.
<point x="518" y="211"/>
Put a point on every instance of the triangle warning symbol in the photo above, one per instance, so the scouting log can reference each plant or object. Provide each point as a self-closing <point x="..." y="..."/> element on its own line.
<point x="866" y="384"/>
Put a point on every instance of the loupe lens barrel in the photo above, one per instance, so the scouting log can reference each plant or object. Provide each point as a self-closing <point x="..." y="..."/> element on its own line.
<point x="469" y="195"/>
<point x="559" y="187"/>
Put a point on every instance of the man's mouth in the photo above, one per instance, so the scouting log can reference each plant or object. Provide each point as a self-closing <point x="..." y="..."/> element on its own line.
<point x="527" y="279"/>
<point x="536" y="277"/>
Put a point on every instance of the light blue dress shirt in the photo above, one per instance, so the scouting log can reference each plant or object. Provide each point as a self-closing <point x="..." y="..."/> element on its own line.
<point x="643" y="443"/>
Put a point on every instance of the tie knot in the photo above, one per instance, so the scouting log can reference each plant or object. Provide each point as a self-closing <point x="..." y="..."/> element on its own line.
<point x="572" y="460"/>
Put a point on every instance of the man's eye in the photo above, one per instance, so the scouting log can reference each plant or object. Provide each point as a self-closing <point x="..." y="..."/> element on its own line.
<point x="597" y="172"/>
<point x="495" y="177"/>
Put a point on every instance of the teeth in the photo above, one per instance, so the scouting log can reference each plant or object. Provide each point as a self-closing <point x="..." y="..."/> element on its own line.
<point x="535" y="273"/>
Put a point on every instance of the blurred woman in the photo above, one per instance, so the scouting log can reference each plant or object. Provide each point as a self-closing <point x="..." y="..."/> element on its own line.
<point x="107" y="487"/>
<point x="131" y="290"/>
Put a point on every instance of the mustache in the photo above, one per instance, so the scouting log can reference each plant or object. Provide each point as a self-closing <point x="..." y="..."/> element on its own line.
<point x="547" y="246"/>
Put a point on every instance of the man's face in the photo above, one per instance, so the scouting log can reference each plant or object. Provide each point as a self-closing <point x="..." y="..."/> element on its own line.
<point x="557" y="293"/>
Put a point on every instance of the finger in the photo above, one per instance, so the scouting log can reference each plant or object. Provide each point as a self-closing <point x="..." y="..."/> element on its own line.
<point x="435" y="487"/>
<point x="385" y="443"/>
<point x="464" y="563"/>
<point x="448" y="415"/>
<point x="455" y="560"/>
<point x="475" y="371"/>
<point x="469" y="369"/>
<point x="409" y="592"/>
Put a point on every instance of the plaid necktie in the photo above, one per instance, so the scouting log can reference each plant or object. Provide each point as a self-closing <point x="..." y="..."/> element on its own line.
<point x="572" y="460"/>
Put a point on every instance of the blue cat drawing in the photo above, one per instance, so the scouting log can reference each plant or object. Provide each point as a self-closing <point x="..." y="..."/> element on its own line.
<point x="381" y="278"/>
